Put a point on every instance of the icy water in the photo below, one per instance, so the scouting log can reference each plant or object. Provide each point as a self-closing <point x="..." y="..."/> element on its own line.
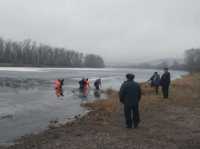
<point x="28" y="101"/>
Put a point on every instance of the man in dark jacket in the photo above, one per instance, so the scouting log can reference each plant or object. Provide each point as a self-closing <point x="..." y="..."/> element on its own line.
<point x="165" y="83"/>
<point x="130" y="94"/>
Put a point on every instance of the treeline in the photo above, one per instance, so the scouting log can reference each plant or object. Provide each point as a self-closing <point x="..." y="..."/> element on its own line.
<point x="28" y="53"/>
<point x="175" y="65"/>
<point x="192" y="60"/>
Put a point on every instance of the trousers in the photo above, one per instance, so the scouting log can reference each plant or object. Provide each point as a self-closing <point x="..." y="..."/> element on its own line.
<point x="165" y="91"/>
<point x="132" y="116"/>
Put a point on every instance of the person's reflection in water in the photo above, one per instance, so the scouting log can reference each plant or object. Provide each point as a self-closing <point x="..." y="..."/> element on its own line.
<point x="58" y="87"/>
<point x="97" y="93"/>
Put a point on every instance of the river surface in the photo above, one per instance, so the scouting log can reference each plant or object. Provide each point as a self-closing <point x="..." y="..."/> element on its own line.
<point x="28" y="101"/>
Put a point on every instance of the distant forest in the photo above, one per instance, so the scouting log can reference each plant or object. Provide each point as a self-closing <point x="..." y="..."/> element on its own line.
<point x="191" y="62"/>
<point x="174" y="66"/>
<point x="29" y="53"/>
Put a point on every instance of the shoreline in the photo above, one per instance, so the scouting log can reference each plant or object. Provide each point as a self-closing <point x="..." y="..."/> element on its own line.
<point x="61" y="67"/>
<point x="103" y="126"/>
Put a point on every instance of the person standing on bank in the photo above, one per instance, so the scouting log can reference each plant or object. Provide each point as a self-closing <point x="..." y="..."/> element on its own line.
<point x="165" y="83"/>
<point x="130" y="94"/>
<point x="155" y="81"/>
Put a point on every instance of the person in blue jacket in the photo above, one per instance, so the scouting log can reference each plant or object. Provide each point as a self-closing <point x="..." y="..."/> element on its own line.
<point x="155" y="81"/>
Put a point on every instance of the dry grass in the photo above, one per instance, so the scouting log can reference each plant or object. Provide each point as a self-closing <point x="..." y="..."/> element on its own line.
<point x="111" y="104"/>
<point x="182" y="91"/>
<point x="186" y="90"/>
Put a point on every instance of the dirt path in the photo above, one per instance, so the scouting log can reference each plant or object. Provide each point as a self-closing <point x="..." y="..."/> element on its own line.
<point x="166" y="124"/>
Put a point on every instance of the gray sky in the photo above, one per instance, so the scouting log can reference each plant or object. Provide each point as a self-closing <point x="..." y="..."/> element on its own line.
<point x="118" y="30"/>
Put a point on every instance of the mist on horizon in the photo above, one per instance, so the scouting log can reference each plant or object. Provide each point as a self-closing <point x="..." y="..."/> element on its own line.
<point x="127" y="31"/>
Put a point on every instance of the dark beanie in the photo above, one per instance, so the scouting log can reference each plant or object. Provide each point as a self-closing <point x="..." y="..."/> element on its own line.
<point x="130" y="76"/>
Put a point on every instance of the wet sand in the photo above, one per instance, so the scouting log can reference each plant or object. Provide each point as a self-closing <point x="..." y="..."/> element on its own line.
<point x="172" y="123"/>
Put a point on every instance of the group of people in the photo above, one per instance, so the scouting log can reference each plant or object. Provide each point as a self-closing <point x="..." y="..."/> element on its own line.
<point x="84" y="85"/>
<point x="130" y="95"/>
<point x="164" y="82"/>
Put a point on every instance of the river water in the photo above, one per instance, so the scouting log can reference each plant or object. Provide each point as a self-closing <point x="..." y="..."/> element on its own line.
<point x="28" y="101"/>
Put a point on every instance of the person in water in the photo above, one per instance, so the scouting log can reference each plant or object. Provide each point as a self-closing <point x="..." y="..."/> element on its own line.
<point x="86" y="85"/>
<point x="97" y="84"/>
<point x="155" y="81"/>
<point x="58" y="87"/>
<point x="81" y="84"/>
<point x="129" y="95"/>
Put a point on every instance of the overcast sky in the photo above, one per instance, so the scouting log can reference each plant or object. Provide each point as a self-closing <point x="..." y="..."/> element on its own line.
<point x="118" y="30"/>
